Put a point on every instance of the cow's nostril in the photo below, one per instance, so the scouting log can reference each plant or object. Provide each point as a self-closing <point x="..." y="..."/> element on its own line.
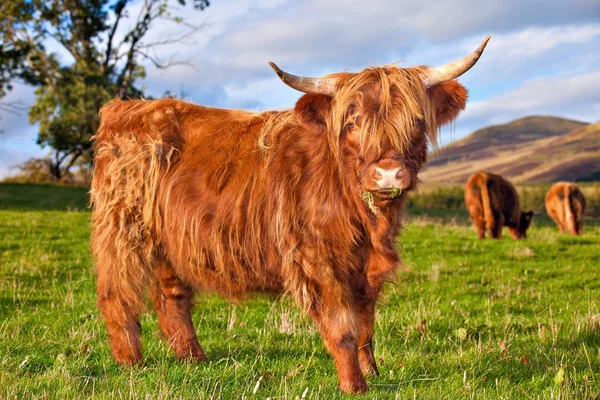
<point x="377" y="175"/>
<point x="400" y="174"/>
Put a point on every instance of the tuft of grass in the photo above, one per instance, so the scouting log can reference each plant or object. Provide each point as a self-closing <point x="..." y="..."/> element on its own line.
<point x="467" y="318"/>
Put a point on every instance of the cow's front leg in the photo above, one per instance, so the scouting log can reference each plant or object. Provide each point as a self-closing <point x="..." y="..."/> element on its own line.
<point x="366" y="357"/>
<point x="339" y="330"/>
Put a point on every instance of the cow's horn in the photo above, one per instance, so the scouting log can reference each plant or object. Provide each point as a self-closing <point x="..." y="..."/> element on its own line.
<point x="443" y="73"/>
<point x="306" y="84"/>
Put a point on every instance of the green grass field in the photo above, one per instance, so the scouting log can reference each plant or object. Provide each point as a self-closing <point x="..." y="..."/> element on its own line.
<point x="466" y="319"/>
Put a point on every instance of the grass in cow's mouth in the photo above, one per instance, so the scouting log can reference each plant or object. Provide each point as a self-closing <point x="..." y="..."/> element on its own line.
<point x="396" y="192"/>
<point x="369" y="199"/>
<point x="481" y="319"/>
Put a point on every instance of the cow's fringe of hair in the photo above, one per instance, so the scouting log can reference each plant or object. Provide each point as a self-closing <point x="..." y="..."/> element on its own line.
<point x="390" y="125"/>
<point x="402" y="104"/>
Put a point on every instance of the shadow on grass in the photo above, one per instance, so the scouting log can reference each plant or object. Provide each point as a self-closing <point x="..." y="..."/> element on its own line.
<point x="8" y="305"/>
<point x="29" y="197"/>
<point x="515" y="366"/>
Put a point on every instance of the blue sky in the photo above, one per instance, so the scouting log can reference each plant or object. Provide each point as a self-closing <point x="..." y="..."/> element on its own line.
<point x="543" y="58"/>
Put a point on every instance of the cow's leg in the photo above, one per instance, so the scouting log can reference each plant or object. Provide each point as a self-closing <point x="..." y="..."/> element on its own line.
<point x="496" y="228"/>
<point x="492" y="230"/>
<point x="172" y="301"/>
<point x="338" y="327"/>
<point x="579" y="227"/>
<point x="120" y="300"/>
<point x="499" y="232"/>
<point x="366" y="357"/>
<point x="480" y="227"/>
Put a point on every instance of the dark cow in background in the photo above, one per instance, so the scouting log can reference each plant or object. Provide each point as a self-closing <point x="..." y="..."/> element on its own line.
<point x="493" y="203"/>
<point x="565" y="204"/>
<point x="306" y="201"/>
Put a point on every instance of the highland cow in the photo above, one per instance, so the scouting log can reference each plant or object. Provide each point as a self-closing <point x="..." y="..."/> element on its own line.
<point x="565" y="205"/>
<point x="306" y="201"/>
<point x="493" y="203"/>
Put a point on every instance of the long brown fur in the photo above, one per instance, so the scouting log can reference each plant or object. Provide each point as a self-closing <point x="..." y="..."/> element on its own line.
<point x="565" y="204"/>
<point x="493" y="202"/>
<point x="195" y="198"/>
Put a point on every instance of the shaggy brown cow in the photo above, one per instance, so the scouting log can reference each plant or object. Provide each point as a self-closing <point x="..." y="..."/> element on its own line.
<point x="306" y="201"/>
<point x="492" y="201"/>
<point x="565" y="204"/>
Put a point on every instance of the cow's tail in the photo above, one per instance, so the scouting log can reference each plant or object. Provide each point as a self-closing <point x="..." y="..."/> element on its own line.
<point x="126" y="220"/>
<point x="486" y="201"/>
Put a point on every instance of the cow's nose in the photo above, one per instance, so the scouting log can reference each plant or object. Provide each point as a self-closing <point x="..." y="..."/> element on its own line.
<point x="389" y="178"/>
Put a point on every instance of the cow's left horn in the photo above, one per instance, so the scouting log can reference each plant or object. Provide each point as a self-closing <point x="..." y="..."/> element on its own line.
<point x="443" y="73"/>
<point x="306" y="84"/>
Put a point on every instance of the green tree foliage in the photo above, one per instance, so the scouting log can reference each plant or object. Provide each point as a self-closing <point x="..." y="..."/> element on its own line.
<point x="99" y="59"/>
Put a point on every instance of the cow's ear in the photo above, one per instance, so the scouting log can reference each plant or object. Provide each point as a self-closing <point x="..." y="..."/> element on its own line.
<point x="448" y="98"/>
<point x="314" y="110"/>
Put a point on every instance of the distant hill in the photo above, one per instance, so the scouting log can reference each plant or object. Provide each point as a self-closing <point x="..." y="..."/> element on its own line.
<point x="527" y="150"/>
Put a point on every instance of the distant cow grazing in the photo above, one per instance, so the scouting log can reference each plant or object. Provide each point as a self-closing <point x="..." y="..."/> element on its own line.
<point x="565" y="204"/>
<point x="306" y="201"/>
<point x="493" y="203"/>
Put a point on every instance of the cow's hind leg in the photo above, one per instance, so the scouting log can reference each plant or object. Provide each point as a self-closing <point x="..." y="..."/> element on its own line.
<point x="495" y="227"/>
<point x="172" y="301"/>
<point x="120" y="300"/>
<point x="480" y="227"/>
<point x="496" y="232"/>
<point x="579" y="227"/>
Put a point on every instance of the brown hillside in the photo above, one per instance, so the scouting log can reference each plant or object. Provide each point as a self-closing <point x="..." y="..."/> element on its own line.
<point x="531" y="149"/>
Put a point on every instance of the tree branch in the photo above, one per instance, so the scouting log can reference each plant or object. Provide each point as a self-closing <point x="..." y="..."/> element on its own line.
<point x="161" y="65"/>
<point x="176" y="39"/>
<point x="119" y="7"/>
<point x="13" y="108"/>
<point x="74" y="158"/>
<point x="135" y="35"/>
<point x="48" y="66"/>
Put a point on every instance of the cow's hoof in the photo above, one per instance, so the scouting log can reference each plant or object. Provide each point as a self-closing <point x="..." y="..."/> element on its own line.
<point x="358" y="386"/>
<point x="128" y="359"/>
<point x="369" y="370"/>
<point x="191" y="353"/>
<point x="367" y="363"/>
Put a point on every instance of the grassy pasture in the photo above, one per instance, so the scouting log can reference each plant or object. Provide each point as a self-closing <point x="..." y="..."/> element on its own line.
<point x="465" y="318"/>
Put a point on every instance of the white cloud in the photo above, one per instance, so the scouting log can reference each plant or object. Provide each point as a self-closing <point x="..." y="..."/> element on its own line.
<point x="261" y="91"/>
<point x="524" y="54"/>
<point x="576" y="97"/>
<point x="532" y="41"/>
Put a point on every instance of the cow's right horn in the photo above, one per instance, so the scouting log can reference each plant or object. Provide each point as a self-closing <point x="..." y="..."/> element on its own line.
<point x="443" y="73"/>
<point x="305" y="84"/>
